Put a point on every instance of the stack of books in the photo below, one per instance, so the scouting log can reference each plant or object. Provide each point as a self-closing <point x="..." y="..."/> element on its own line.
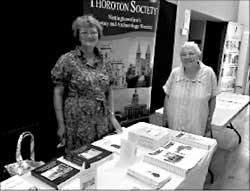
<point x="152" y="175"/>
<point x="176" y="157"/>
<point x="194" y="140"/>
<point x="55" y="173"/>
<point x="151" y="136"/>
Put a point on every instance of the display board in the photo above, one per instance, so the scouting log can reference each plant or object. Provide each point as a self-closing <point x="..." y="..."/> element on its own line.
<point x="128" y="44"/>
<point x="230" y="57"/>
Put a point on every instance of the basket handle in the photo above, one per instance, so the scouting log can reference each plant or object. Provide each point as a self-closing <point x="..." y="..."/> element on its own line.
<point x="19" y="143"/>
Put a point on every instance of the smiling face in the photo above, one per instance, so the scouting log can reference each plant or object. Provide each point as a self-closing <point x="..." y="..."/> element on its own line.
<point x="189" y="57"/>
<point x="88" y="36"/>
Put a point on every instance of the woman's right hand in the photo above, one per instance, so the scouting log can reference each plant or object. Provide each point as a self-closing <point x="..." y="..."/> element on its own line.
<point x="60" y="134"/>
<point x="61" y="131"/>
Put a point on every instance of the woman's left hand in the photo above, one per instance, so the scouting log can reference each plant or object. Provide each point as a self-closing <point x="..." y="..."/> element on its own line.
<point x="116" y="124"/>
<point x="208" y="132"/>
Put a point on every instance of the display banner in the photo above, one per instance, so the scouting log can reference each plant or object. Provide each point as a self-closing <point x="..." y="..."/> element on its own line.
<point x="128" y="44"/>
<point x="230" y="57"/>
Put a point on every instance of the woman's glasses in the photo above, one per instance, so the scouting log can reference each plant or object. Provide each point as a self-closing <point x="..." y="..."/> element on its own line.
<point x="86" y="33"/>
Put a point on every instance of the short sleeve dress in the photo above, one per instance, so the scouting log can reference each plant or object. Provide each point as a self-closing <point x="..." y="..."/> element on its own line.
<point x="86" y="106"/>
<point x="187" y="107"/>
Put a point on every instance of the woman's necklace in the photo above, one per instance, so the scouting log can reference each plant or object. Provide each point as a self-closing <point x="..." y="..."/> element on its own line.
<point x="91" y="62"/>
<point x="90" y="58"/>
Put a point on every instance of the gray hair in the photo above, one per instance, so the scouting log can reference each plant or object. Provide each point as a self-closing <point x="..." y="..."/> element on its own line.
<point x="191" y="44"/>
<point x="86" y="21"/>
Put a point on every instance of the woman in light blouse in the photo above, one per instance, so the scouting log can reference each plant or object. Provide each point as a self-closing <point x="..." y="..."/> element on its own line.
<point x="190" y="94"/>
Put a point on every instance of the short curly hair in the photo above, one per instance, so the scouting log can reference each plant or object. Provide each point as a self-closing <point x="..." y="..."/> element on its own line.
<point x="86" y="21"/>
<point x="191" y="44"/>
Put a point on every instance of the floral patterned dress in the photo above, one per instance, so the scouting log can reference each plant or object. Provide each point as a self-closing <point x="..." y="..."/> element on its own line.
<point x="86" y="106"/>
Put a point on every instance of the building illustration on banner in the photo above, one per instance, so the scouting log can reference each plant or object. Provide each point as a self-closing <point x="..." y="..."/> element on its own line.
<point x="132" y="77"/>
<point x="131" y="73"/>
<point x="134" y="110"/>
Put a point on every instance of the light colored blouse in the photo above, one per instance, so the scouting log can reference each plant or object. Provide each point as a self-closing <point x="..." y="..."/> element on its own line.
<point x="187" y="107"/>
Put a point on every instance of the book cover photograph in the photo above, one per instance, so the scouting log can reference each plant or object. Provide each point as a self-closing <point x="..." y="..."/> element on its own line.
<point x="176" y="157"/>
<point x="91" y="154"/>
<point x="152" y="175"/>
<point x="55" y="173"/>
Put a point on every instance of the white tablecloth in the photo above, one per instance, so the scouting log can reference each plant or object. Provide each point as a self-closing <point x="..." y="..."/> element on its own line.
<point x="112" y="174"/>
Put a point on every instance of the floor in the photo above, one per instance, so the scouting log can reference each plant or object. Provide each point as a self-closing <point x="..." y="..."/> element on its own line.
<point x="231" y="167"/>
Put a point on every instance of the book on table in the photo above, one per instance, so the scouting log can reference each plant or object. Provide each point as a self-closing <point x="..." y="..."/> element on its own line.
<point x="176" y="157"/>
<point x="91" y="154"/>
<point x="16" y="183"/>
<point x="55" y="173"/>
<point x="149" y="135"/>
<point x="111" y="143"/>
<point x="194" y="140"/>
<point x="151" y="175"/>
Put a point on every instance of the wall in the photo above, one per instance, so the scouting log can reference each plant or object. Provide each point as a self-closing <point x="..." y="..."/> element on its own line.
<point x="224" y="10"/>
<point x="243" y="18"/>
<point x="197" y="31"/>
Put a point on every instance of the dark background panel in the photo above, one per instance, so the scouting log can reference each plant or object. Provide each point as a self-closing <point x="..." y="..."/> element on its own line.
<point x="36" y="33"/>
<point x="213" y="45"/>
<point x="163" y="52"/>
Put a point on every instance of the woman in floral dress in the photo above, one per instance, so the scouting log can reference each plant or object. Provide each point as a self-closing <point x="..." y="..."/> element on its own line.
<point x="83" y="89"/>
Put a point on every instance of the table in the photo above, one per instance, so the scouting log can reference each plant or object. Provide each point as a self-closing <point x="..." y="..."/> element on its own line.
<point x="112" y="175"/>
<point x="228" y="107"/>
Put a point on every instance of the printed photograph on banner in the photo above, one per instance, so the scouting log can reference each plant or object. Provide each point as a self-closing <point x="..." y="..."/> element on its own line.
<point x="131" y="59"/>
<point x="128" y="42"/>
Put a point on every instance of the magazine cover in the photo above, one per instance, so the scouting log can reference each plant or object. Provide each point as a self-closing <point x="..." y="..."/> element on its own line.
<point x="55" y="173"/>
<point x="128" y="44"/>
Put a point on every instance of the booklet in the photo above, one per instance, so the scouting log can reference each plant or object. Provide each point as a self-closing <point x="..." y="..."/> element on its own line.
<point x="152" y="175"/>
